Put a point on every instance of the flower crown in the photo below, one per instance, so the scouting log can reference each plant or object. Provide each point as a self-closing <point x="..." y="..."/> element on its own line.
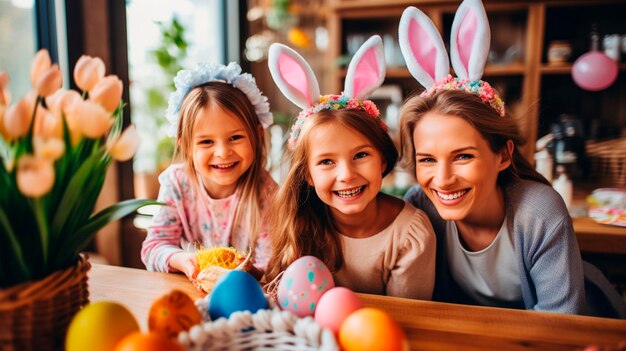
<point x="186" y="80"/>
<point x="334" y="102"/>
<point x="477" y="87"/>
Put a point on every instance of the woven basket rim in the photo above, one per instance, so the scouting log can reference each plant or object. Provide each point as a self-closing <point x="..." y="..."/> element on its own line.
<point x="25" y="293"/>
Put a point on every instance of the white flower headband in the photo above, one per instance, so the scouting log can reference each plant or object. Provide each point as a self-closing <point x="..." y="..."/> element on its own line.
<point x="186" y="80"/>
<point x="296" y="80"/>
<point x="427" y="60"/>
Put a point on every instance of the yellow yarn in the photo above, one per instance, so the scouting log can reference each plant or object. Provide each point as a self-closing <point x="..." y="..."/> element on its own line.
<point x="225" y="257"/>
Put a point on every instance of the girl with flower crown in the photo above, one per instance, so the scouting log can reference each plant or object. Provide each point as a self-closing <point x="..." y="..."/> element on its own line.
<point x="504" y="235"/>
<point x="330" y="205"/>
<point x="217" y="196"/>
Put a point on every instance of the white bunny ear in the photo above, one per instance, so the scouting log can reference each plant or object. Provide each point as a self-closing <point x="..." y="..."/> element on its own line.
<point x="293" y="76"/>
<point x="366" y="71"/>
<point x="422" y="47"/>
<point x="470" y="40"/>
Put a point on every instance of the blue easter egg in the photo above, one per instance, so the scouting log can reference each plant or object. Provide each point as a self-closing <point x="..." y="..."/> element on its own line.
<point x="236" y="291"/>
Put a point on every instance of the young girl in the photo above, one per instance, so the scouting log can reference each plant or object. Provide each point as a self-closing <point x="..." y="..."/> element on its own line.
<point x="219" y="193"/>
<point x="504" y="235"/>
<point x="330" y="205"/>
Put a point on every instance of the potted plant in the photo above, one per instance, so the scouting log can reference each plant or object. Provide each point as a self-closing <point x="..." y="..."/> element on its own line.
<point x="55" y="146"/>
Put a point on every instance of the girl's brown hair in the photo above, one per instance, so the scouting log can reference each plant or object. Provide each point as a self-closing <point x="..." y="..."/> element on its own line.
<point x="495" y="129"/>
<point x="249" y="184"/>
<point x="300" y="223"/>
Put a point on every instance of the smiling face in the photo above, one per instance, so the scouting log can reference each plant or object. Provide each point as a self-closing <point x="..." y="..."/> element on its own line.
<point x="221" y="149"/>
<point x="456" y="168"/>
<point x="344" y="167"/>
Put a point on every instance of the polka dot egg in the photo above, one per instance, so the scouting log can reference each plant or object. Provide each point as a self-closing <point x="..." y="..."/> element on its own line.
<point x="302" y="285"/>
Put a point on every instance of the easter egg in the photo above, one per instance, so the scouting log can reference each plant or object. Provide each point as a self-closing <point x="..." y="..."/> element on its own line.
<point x="371" y="329"/>
<point x="138" y="341"/>
<point x="335" y="306"/>
<point x="99" y="326"/>
<point x="302" y="285"/>
<point x="236" y="291"/>
<point x="173" y="313"/>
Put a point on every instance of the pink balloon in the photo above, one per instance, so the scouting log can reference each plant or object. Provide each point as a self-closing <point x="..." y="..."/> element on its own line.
<point x="594" y="71"/>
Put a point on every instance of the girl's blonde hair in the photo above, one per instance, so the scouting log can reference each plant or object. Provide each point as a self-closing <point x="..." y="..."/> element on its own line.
<point x="495" y="129"/>
<point x="302" y="224"/>
<point x="249" y="185"/>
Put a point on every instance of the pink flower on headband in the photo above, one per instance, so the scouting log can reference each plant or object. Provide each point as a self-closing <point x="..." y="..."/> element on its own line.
<point x="334" y="102"/>
<point x="477" y="87"/>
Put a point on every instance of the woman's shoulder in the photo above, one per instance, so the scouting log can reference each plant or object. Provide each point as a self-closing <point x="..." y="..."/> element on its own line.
<point x="534" y="197"/>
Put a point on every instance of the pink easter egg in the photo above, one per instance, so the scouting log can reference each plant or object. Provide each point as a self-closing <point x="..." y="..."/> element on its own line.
<point x="302" y="285"/>
<point x="335" y="306"/>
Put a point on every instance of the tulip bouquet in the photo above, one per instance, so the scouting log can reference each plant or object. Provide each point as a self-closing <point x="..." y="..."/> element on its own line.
<point x="55" y="147"/>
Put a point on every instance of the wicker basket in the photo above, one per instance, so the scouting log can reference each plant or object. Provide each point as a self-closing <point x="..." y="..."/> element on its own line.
<point x="264" y="330"/>
<point x="35" y="315"/>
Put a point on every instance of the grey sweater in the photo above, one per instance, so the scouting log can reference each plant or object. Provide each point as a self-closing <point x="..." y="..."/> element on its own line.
<point x="553" y="276"/>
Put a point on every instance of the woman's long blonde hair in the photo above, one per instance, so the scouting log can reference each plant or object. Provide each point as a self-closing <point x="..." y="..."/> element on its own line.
<point x="495" y="129"/>
<point x="300" y="223"/>
<point x="249" y="185"/>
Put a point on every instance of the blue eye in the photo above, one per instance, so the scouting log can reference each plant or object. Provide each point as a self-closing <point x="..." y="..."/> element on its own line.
<point x="465" y="157"/>
<point x="425" y="160"/>
<point x="325" y="162"/>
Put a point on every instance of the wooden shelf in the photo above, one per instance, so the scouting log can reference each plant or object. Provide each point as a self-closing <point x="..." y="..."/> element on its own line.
<point x="567" y="68"/>
<point x="490" y="70"/>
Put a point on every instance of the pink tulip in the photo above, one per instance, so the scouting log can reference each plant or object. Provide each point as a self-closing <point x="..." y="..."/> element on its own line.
<point x="88" y="71"/>
<point x="47" y="124"/>
<point x="92" y="120"/>
<point x="108" y="92"/>
<point x="64" y="105"/>
<point x="40" y="63"/>
<point x="5" y="95"/>
<point x="17" y="118"/>
<point x="49" y="148"/>
<point x="3" y="133"/>
<point x="49" y="81"/>
<point x="125" y="146"/>
<point x="35" y="175"/>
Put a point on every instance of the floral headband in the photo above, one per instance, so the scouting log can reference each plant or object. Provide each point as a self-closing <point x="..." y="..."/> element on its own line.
<point x="334" y="102"/>
<point x="477" y="87"/>
<point x="296" y="80"/>
<point x="427" y="59"/>
<point x="186" y="80"/>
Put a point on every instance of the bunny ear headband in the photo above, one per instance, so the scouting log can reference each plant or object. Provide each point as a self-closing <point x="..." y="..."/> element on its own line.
<point x="186" y="80"/>
<point x="296" y="80"/>
<point x="427" y="59"/>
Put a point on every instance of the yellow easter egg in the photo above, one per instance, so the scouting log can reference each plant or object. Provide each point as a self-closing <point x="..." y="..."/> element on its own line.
<point x="99" y="326"/>
<point x="173" y="313"/>
<point x="138" y="341"/>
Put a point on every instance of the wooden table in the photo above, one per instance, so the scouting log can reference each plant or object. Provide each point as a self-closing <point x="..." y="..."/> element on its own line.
<point x="599" y="238"/>
<point x="429" y="325"/>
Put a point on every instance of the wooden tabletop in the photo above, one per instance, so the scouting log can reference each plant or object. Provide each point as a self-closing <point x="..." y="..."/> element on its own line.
<point x="429" y="325"/>
<point x="599" y="238"/>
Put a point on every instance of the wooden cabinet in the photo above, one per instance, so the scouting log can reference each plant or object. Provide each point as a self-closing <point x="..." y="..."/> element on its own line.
<point x="536" y="92"/>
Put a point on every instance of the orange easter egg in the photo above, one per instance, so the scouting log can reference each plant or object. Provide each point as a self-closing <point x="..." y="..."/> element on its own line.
<point x="173" y="313"/>
<point x="147" y="342"/>
<point x="371" y="329"/>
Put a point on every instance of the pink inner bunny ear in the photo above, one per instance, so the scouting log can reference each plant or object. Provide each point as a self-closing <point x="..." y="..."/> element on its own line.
<point x="366" y="73"/>
<point x="294" y="75"/>
<point x="423" y="47"/>
<point x="466" y="36"/>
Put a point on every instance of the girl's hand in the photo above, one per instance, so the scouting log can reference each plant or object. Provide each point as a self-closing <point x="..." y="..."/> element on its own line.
<point x="185" y="262"/>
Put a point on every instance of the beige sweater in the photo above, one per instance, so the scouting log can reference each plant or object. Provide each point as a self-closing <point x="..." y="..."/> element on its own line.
<point x="398" y="261"/>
